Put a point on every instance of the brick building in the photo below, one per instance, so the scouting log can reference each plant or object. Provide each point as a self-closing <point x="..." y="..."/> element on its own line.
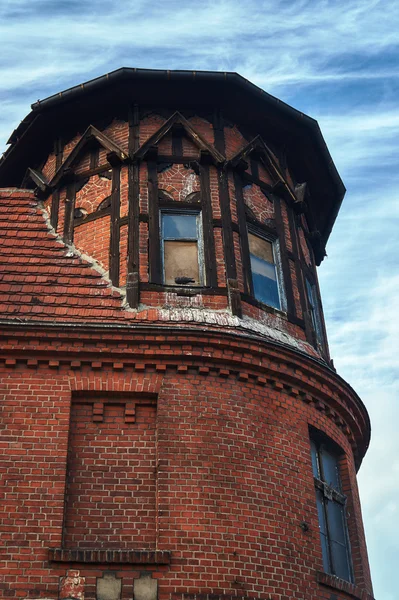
<point x="172" y="424"/>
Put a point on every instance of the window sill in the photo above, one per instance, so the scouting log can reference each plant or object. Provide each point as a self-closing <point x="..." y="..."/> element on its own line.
<point x="341" y="585"/>
<point x="100" y="555"/>
<point x="266" y="307"/>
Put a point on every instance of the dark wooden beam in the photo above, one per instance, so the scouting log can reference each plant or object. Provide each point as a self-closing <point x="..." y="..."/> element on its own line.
<point x="298" y="271"/>
<point x="98" y="214"/>
<point x="94" y="158"/>
<point x="153" y="224"/>
<point x="228" y="244"/>
<point x="39" y="179"/>
<point x="58" y="151"/>
<point x="177" y="141"/>
<point x="242" y="225"/>
<point x="289" y="294"/>
<point x="55" y="205"/>
<point x="207" y="219"/>
<point x="69" y="211"/>
<point x="133" y="254"/>
<point x="218" y="132"/>
<point x="178" y="159"/>
<point x="231" y="271"/>
<point x="114" y="249"/>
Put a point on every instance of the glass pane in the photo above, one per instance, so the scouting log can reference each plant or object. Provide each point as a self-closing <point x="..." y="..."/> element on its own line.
<point x="320" y="511"/>
<point x="265" y="283"/>
<point x="336" y="522"/>
<point x="181" y="260"/>
<point x="179" y="226"/>
<point x="315" y="463"/>
<point x="340" y="561"/>
<point x="260" y="248"/>
<point x="309" y="289"/>
<point x="323" y="531"/>
<point x="330" y="468"/>
<point x="324" y="551"/>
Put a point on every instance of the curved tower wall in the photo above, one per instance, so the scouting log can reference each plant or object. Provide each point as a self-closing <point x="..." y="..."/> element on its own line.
<point x="161" y="431"/>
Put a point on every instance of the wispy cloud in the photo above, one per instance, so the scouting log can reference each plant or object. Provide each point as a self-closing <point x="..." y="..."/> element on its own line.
<point x="337" y="61"/>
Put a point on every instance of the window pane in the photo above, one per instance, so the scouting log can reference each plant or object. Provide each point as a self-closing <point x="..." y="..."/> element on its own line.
<point x="330" y="469"/>
<point x="264" y="281"/>
<point x="340" y="561"/>
<point x="260" y="248"/>
<point x="309" y="289"/>
<point x="324" y="551"/>
<point x="320" y="510"/>
<point x="181" y="260"/>
<point x="336" y="522"/>
<point x="315" y="464"/>
<point x="323" y="531"/>
<point x="179" y="226"/>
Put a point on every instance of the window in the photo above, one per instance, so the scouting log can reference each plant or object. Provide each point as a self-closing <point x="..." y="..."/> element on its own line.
<point x="331" y="510"/>
<point x="181" y="248"/>
<point x="263" y="270"/>
<point x="314" y="310"/>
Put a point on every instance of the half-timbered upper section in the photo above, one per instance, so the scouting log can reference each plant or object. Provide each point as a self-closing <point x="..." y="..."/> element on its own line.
<point x="190" y="190"/>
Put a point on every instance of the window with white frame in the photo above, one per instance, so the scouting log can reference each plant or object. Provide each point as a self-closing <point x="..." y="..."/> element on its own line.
<point x="182" y="248"/>
<point x="331" y="509"/>
<point x="264" y="271"/>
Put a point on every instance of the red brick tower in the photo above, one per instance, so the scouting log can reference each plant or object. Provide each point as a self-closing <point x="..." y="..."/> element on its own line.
<point x="172" y="425"/>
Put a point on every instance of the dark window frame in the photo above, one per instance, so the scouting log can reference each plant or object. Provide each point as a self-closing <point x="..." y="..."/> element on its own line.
<point x="194" y="211"/>
<point x="330" y="492"/>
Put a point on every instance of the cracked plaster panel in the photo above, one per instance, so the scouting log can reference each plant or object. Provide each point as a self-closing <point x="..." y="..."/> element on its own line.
<point x="109" y="587"/>
<point x="179" y="181"/>
<point x="93" y="193"/>
<point x="145" y="588"/>
<point x="256" y="200"/>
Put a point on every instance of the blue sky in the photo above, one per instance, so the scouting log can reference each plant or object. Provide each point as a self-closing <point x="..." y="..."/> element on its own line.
<point x="336" y="61"/>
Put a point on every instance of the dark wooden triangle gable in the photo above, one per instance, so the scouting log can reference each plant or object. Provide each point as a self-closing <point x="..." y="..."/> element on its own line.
<point x="257" y="146"/>
<point x="92" y="135"/>
<point x="177" y="120"/>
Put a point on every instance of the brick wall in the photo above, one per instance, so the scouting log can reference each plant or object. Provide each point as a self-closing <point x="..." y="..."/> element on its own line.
<point x="233" y="468"/>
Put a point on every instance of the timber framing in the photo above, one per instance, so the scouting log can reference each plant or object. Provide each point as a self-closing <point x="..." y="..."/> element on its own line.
<point x="177" y="121"/>
<point x="256" y="150"/>
<point x="91" y="135"/>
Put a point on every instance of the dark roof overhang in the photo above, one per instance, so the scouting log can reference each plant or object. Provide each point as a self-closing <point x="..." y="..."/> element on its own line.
<point x="242" y="103"/>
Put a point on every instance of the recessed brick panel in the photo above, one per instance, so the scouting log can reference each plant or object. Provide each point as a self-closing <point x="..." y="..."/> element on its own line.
<point x="110" y="499"/>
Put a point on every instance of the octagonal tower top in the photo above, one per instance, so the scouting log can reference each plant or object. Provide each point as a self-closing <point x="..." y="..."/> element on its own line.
<point x="196" y="194"/>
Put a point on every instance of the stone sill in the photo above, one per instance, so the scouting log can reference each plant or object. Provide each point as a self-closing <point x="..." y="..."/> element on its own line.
<point x="99" y="555"/>
<point x="341" y="585"/>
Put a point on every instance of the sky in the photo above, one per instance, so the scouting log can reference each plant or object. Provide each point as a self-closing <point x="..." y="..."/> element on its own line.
<point x="337" y="61"/>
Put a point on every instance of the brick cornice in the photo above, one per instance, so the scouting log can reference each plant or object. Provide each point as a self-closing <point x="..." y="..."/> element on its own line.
<point x="228" y="353"/>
